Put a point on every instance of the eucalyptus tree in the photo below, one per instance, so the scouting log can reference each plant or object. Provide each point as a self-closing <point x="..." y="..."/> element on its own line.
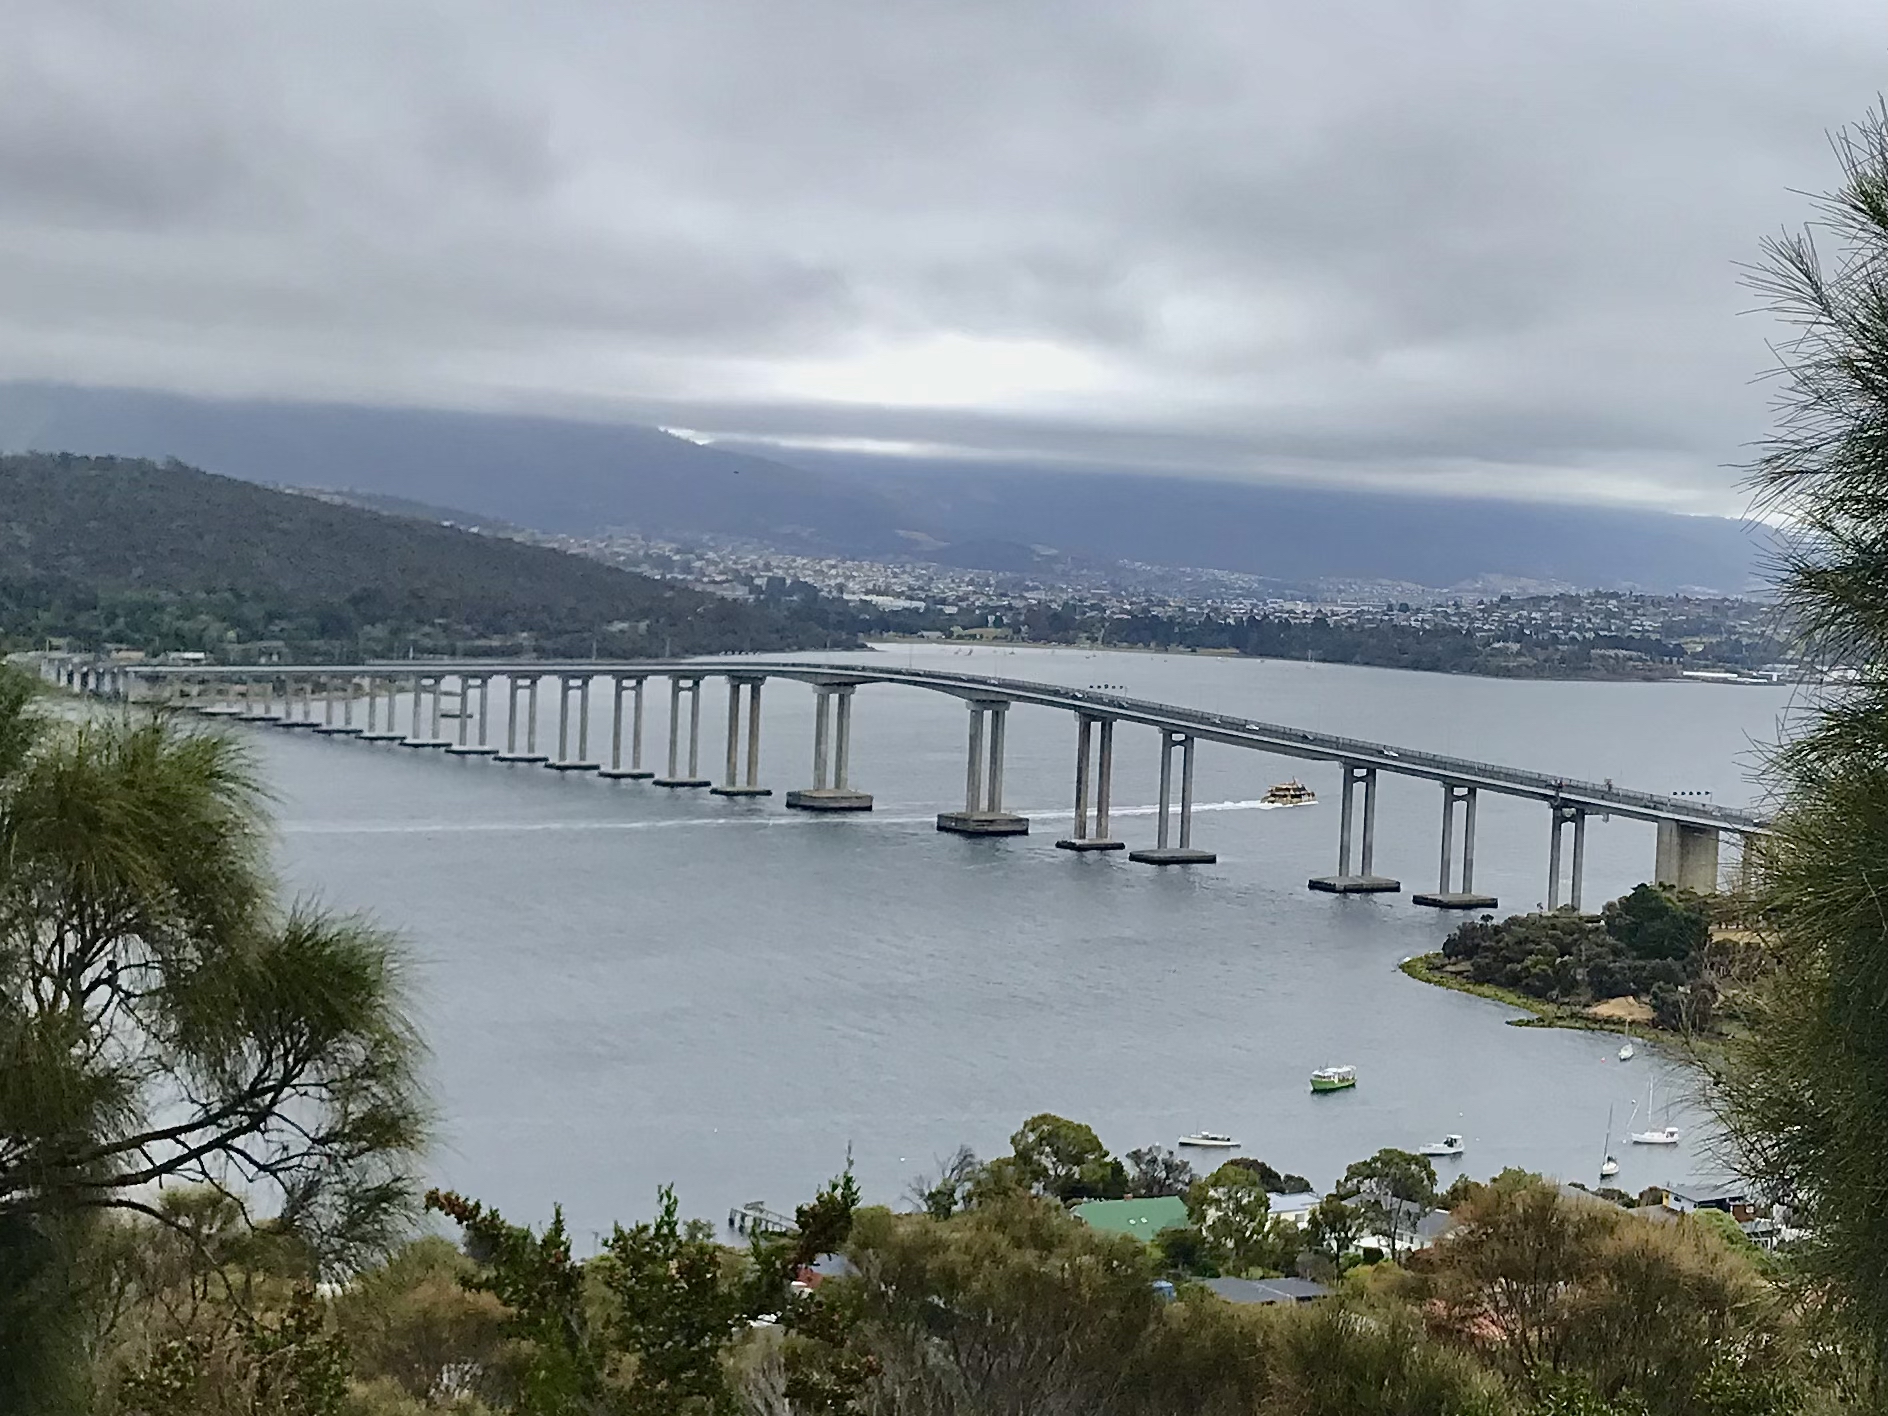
<point x="164" y="1019"/>
<point x="1805" y="1093"/>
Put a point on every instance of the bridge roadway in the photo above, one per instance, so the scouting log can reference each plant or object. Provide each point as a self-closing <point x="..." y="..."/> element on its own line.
<point x="1689" y="830"/>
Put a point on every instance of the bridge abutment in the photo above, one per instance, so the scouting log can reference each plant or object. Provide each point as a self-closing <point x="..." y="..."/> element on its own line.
<point x="1687" y="857"/>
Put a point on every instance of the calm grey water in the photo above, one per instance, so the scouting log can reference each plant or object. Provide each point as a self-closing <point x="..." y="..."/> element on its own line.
<point x="624" y="986"/>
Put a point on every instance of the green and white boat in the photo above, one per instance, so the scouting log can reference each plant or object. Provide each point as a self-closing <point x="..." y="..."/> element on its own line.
<point x="1332" y="1079"/>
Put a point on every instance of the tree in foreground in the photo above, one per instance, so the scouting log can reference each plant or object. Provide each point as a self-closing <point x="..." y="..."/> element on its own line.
<point x="163" y="1022"/>
<point x="1805" y="1092"/>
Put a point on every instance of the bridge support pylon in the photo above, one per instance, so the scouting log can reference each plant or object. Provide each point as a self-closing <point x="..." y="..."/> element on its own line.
<point x="573" y="687"/>
<point x="983" y="813"/>
<point x="1446" y="895"/>
<point x="1365" y="881"/>
<point x="481" y="685"/>
<point x="635" y="772"/>
<point x="1079" y="839"/>
<point x="731" y="784"/>
<point x="525" y="686"/>
<point x="376" y="733"/>
<point x="679" y="685"/>
<point x="832" y="729"/>
<point x="1182" y="853"/>
<point x="1562" y="816"/>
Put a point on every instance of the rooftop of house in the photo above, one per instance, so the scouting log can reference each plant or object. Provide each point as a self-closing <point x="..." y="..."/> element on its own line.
<point x="1265" y="1290"/>
<point x="1142" y="1219"/>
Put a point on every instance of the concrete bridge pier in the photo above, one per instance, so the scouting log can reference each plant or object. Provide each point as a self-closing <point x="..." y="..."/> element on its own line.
<point x="832" y="725"/>
<point x="679" y="685"/>
<point x="481" y="686"/>
<point x="1446" y="895"/>
<point x="1562" y="815"/>
<point x="1365" y="881"/>
<point x="616" y="769"/>
<point x="298" y="693"/>
<point x="521" y="686"/>
<point x="732" y="785"/>
<point x="425" y="719"/>
<point x="326" y="689"/>
<point x="329" y="697"/>
<point x="983" y="813"/>
<point x="256" y="709"/>
<point x="1080" y="840"/>
<point x="375" y="687"/>
<point x="1687" y="857"/>
<point x="569" y="687"/>
<point x="1182" y="853"/>
<point x="348" y="727"/>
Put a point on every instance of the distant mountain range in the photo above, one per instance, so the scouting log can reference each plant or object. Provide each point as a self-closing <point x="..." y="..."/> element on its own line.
<point x="575" y="477"/>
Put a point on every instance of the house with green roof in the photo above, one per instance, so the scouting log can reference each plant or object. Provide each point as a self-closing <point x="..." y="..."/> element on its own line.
<point x="1139" y="1219"/>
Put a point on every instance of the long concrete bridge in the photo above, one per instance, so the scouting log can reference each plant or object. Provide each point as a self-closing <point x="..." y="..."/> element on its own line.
<point x="359" y="700"/>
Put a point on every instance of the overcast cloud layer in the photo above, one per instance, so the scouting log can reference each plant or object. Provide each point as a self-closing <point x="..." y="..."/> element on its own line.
<point x="1468" y="245"/>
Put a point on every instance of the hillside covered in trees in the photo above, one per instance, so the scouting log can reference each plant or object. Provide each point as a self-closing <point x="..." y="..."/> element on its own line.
<point x="160" y="556"/>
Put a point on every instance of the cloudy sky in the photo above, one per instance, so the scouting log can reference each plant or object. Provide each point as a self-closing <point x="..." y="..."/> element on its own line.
<point x="1465" y="245"/>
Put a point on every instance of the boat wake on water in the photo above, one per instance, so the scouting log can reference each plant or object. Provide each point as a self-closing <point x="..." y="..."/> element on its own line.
<point x="879" y="818"/>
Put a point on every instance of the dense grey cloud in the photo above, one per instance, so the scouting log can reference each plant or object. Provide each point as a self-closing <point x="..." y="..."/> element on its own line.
<point x="1468" y="245"/>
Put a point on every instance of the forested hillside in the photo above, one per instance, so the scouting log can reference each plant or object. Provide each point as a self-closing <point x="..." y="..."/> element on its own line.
<point x="161" y="556"/>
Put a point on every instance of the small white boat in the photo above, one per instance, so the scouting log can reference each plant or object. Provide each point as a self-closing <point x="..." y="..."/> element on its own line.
<point x="1608" y="1168"/>
<point x="1666" y="1136"/>
<point x="1626" y="1048"/>
<point x="1447" y="1146"/>
<point x="1214" y="1139"/>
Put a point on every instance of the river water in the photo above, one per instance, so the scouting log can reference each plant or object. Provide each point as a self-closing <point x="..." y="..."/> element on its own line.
<point x="624" y="986"/>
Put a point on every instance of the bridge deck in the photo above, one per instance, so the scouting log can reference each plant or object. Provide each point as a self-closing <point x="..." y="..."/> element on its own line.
<point x="1212" y="727"/>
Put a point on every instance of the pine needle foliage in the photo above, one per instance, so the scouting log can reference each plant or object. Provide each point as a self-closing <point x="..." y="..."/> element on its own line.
<point x="164" y="1020"/>
<point x="1805" y="1094"/>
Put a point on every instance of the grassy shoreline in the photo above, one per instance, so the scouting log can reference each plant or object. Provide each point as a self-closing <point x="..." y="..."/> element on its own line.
<point x="1426" y="968"/>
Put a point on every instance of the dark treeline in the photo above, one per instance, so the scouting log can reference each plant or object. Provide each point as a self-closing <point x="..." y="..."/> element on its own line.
<point x="161" y="557"/>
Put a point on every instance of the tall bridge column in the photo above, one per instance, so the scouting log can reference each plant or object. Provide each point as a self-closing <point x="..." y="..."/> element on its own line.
<point x="739" y="688"/>
<point x="329" y="727"/>
<point x="468" y="745"/>
<point x="983" y="813"/>
<point x="635" y="771"/>
<point x="1448" y="895"/>
<point x="521" y="686"/>
<point x="416" y="733"/>
<point x="832" y="748"/>
<point x="1085" y="736"/>
<point x="375" y="687"/>
<point x="1182" y="853"/>
<point x="1562" y="816"/>
<point x="1365" y="881"/>
<point x="573" y="687"/>
<point x="299" y="689"/>
<point x="1687" y="857"/>
<point x="678" y="686"/>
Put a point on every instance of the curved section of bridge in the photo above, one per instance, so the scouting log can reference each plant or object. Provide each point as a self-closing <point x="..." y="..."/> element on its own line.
<point x="327" y="697"/>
